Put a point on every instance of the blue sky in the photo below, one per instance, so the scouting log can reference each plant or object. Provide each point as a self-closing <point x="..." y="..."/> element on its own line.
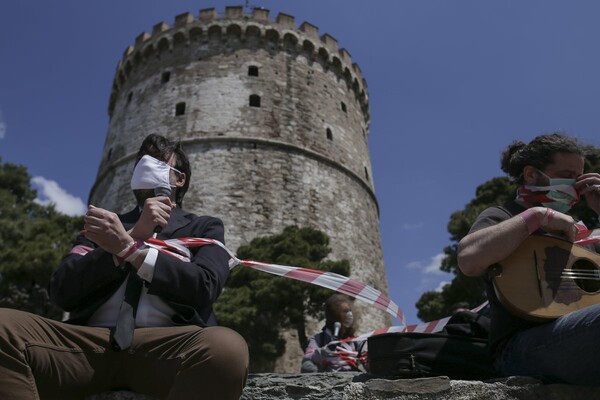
<point x="451" y="84"/>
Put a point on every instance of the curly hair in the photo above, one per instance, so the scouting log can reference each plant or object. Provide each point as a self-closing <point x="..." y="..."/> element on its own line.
<point x="539" y="153"/>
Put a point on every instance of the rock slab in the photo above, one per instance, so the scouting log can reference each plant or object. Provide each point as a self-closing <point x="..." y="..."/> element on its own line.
<point x="358" y="386"/>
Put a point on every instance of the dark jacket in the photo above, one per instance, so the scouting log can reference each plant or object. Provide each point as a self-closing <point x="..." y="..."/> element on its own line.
<point x="81" y="284"/>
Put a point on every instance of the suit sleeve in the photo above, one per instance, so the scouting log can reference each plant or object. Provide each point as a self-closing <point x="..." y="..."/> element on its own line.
<point x="79" y="277"/>
<point x="197" y="283"/>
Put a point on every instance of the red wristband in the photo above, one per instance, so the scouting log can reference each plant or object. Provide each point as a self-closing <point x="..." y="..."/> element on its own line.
<point x="531" y="219"/>
<point x="548" y="216"/>
<point x="131" y="252"/>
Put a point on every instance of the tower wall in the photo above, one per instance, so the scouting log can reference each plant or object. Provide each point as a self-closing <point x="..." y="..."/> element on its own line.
<point x="300" y="158"/>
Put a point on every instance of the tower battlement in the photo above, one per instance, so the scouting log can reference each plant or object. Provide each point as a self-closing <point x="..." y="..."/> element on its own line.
<point x="236" y="27"/>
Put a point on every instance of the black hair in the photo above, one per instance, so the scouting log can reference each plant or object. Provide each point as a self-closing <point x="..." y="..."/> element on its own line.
<point x="162" y="149"/>
<point x="539" y="153"/>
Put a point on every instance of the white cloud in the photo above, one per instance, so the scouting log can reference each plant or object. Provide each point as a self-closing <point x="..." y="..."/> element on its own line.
<point x="428" y="267"/>
<point x="50" y="192"/>
<point x="432" y="283"/>
<point x="431" y="275"/>
<point x="434" y="265"/>
<point x="441" y="286"/>
<point x="2" y="126"/>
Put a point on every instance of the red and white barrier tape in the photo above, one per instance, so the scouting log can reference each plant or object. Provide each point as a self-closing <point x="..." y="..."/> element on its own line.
<point x="329" y="280"/>
<point x="585" y="236"/>
<point x="425" y="327"/>
<point x="179" y="248"/>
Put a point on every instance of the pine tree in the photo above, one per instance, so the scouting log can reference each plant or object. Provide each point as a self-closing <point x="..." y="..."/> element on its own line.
<point x="33" y="238"/>
<point x="259" y="305"/>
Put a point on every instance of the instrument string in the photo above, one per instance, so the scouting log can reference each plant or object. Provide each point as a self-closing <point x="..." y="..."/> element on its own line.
<point x="575" y="274"/>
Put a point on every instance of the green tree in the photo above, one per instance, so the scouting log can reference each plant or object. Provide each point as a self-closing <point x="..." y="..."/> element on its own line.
<point x="259" y="305"/>
<point x="434" y="305"/>
<point x="33" y="238"/>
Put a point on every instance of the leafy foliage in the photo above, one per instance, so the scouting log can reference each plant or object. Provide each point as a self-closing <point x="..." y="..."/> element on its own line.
<point x="33" y="238"/>
<point x="434" y="305"/>
<point x="259" y="305"/>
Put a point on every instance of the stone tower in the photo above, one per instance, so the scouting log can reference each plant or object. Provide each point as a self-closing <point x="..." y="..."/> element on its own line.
<point x="275" y="120"/>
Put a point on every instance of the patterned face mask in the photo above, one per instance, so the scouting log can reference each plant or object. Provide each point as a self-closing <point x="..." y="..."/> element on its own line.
<point x="150" y="173"/>
<point x="559" y="195"/>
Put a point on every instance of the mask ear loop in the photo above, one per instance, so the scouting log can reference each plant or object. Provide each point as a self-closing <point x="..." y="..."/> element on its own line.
<point x="542" y="172"/>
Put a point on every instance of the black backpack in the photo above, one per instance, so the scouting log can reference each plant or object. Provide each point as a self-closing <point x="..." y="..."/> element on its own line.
<point x="460" y="351"/>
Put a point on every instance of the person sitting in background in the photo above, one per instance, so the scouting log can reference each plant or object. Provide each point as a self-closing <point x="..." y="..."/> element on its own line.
<point x="320" y="356"/>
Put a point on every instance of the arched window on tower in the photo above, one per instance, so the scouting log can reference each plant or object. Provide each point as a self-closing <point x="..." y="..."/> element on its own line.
<point x="254" y="100"/>
<point x="329" y="134"/>
<point x="166" y="76"/>
<point x="179" y="109"/>
<point x="253" y="70"/>
<point x="366" y="174"/>
<point x="344" y="109"/>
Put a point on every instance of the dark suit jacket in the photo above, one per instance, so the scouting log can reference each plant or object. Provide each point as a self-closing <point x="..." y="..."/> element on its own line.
<point x="82" y="283"/>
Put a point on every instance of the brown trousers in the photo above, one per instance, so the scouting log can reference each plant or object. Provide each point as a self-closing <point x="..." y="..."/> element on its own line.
<point x="45" y="359"/>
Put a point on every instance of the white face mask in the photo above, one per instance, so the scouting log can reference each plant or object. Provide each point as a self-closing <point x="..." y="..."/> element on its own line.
<point x="348" y="320"/>
<point x="150" y="173"/>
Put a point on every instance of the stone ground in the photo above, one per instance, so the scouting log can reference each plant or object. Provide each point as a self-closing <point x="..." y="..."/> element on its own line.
<point x="359" y="386"/>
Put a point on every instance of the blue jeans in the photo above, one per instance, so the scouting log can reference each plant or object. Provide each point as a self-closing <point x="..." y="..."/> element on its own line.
<point x="565" y="350"/>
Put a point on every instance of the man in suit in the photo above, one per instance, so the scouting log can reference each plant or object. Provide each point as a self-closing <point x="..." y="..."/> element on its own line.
<point x="140" y="319"/>
<point x="550" y="173"/>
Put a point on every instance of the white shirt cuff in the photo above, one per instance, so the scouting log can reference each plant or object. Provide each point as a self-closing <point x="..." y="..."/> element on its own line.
<point x="146" y="271"/>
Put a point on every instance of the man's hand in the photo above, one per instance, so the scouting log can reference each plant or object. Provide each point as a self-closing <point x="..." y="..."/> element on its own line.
<point x="557" y="223"/>
<point x="588" y="185"/>
<point x="156" y="212"/>
<point x="106" y="230"/>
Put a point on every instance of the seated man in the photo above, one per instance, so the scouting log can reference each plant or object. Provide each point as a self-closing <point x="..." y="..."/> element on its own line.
<point x="550" y="172"/>
<point x="111" y="283"/>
